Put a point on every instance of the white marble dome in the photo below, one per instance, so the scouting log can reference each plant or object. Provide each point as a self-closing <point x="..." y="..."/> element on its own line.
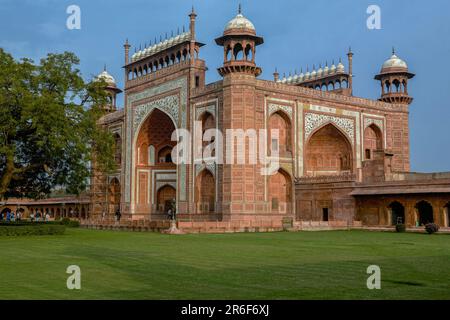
<point x="109" y="79"/>
<point x="394" y="62"/>
<point x="239" y="22"/>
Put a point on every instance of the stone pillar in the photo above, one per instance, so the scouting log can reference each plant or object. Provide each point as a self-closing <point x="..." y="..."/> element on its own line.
<point x="389" y="217"/>
<point x="445" y="220"/>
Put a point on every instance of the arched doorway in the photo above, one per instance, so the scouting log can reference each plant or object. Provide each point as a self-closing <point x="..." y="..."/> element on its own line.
<point x="165" y="155"/>
<point x="114" y="196"/>
<point x="208" y="123"/>
<point x="166" y="196"/>
<point x="280" y="192"/>
<point x="372" y="141"/>
<point x="154" y="164"/>
<point x="328" y="152"/>
<point x="280" y="121"/>
<point x="397" y="213"/>
<point x="425" y="212"/>
<point x="205" y="192"/>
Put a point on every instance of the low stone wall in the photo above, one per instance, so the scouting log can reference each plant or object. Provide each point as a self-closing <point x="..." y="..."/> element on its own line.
<point x="230" y="226"/>
<point x="136" y="225"/>
<point x="325" y="225"/>
<point x="236" y="226"/>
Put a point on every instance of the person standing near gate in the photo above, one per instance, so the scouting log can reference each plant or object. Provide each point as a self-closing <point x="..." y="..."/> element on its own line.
<point x="118" y="215"/>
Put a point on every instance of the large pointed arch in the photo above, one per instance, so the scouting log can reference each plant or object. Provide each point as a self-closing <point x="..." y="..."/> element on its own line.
<point x="280" y="192"/>
<point x="373" y="140"/>
<point x="205" y="192"/>
<point x="328" y="152"/>
<point x="152" y="155"/>
<point x="280" y="120"/>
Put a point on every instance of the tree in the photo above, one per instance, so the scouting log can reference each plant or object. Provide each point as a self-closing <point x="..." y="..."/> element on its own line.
<point x="48" y="126"/>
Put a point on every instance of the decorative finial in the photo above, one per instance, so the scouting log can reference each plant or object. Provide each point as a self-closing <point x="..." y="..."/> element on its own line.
<point x="240" y="9"/>
<point x="104" y="67"/>
<point x="393" y="51"/>
<point x="126" y="41"/>
<point x="178" y="31"/>
<point x="171" y="34"/>
<point x="276" y="70"/>
<point x="166" y="36"/>
<point x="183" y="29"/>
<point x="350" y="50"/>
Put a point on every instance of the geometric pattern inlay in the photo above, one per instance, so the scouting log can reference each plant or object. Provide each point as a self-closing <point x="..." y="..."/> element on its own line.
<point x="369" y="121"/>
<point x="275" y="107"/>
<point x="199" y="111"/>
<point x="314" y="121"/>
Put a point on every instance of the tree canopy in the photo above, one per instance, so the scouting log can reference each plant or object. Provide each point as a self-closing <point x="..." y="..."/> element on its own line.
<point x="48" y="126"/>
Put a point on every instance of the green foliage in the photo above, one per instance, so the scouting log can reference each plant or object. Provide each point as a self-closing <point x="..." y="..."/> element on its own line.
<point x="400" y="227"/>
<point x="431" y="228"/>
<point x="64" y="222"/>
<point x="69" y="223"/>
<point x="48" y="126"/>
<point x="17" y="229"/>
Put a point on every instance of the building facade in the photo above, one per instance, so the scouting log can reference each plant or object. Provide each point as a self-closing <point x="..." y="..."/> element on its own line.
<point x="343" y="160"/>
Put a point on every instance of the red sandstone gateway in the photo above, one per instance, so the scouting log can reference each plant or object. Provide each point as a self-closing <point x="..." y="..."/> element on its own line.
<point x="344" y="160"/>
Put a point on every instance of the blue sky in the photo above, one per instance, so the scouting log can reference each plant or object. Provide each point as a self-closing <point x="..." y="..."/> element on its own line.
<point x="297" y="34"/>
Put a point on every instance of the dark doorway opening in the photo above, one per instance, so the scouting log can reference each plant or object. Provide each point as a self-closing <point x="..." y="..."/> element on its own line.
<point x="398" y="213"/>
<point x="425" y="211"/>
<point x="325" y="216"/>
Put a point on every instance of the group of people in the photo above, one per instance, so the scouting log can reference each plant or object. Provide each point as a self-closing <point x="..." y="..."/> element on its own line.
<point x="39" y="216"/>
<point x="35" y="215"/>
<point x="11" y="216"/>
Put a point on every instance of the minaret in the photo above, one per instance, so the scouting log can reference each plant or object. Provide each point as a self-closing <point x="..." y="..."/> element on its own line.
<point x="393" y="77"/>
<point x="240" y="108"/>
<point x="192" y="17"/>
<point x="127" y="52"/>
<point x="239" y="41"/>
<point x="350" y="70"/>
<point x="276" y="75"/>
<point x="111" y="88"/>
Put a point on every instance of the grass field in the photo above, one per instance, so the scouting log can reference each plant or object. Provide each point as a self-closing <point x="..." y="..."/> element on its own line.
<point x="306" y="265"/>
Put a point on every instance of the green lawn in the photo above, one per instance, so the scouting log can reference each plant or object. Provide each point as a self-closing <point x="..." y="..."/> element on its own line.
<point x="305" y="265"/>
